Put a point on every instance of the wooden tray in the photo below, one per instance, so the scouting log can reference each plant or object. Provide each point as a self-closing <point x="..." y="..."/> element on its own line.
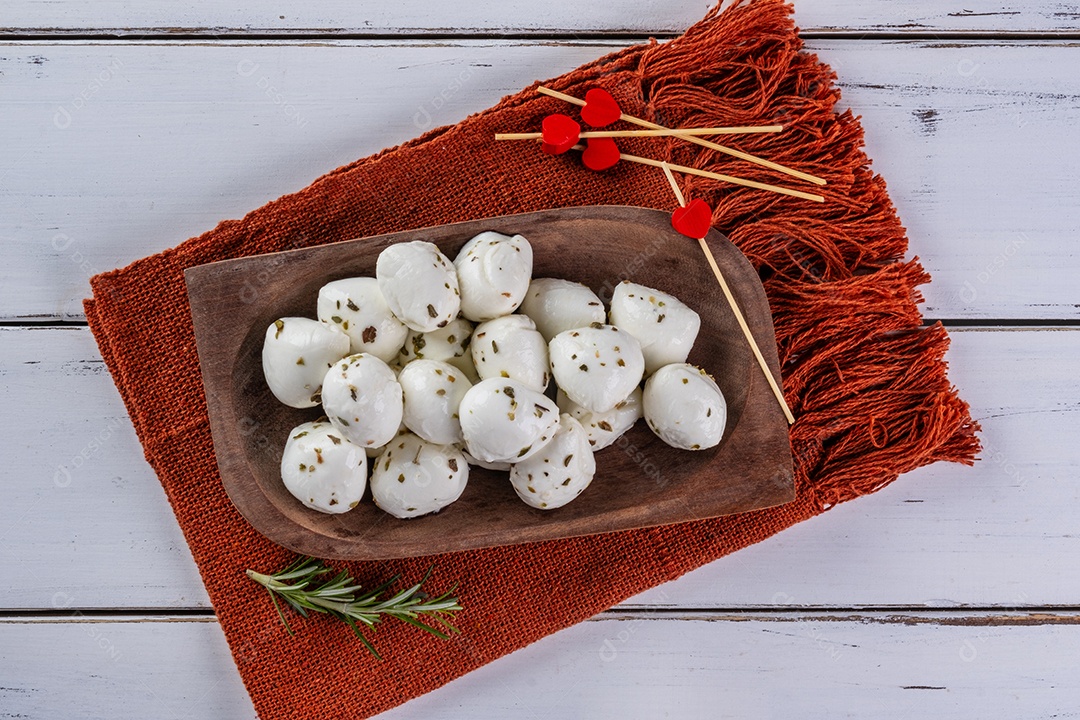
<point x="639" y="482"/>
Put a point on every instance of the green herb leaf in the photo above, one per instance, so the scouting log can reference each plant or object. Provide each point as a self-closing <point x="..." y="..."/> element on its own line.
<point x="303" y="588"/>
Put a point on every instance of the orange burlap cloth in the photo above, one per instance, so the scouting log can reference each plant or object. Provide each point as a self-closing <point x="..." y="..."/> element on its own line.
<point x="863" y="375"/>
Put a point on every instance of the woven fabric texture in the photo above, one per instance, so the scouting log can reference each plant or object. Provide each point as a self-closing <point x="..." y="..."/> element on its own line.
<point x="864" y="377"/>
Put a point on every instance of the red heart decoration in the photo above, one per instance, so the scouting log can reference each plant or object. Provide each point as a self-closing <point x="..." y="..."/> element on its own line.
<point x="693" y="219"/>
<point x="600" y="153"/>
<point x="600" y="108"/>
<point x="559" y="133"/>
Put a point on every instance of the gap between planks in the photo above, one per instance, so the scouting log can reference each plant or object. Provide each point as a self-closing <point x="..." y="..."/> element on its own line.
<point x="908" y="616"/>
<point x="183" y="35"/>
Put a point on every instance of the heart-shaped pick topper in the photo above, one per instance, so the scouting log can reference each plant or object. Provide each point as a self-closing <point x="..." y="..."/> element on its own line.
<point x="600" y="108"/>
<point x="693" y="219"/>
<point x="600" y="153"/>
<point x="558" y="134"/>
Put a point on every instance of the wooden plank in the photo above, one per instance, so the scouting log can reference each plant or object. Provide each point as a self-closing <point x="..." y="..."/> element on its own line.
<point x="91" y="525"/>
<point x="210" y="131"/>
<point x="341" y="17"/>
<point x="825" y="665"/>
<point x="84" y="523"/>
<point x="960" y="133"/>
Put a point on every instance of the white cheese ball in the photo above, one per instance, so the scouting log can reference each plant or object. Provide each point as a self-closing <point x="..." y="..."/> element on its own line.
<point x="464" y="363"/>
<point x="498" y="466"/>
<point x="558" y="305"/>
<point x="414" y="477"/>
<point x="420" y="285"/>
<point x="504" y="421"/>
<point x="358" y="307"/>
<point x="665" y="327"/>
<point x="322" y="469"/>
<point x="684" y="407"/>
<point x="433" y="392"/>
<point x="596" y="366"/>
<point x="374" y="451"/>
<point x="362" y="398"/>
<point x="604" y="428"/>
<point x="493" y="274"/>
<point x="296" y="355"/>
<point x="445" y="343"/>
<point x="510" y="347"/>
<point x="560" y="472"/>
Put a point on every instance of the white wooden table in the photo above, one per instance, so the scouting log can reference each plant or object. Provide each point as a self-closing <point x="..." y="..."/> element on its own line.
<point x="127" y="127"/>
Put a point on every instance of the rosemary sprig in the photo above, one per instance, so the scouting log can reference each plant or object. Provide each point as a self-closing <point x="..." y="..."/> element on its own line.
<point x="301" y="586"/>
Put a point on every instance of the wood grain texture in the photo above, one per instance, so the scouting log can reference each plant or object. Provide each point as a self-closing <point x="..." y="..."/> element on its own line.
<point x="891" y="666"/>
<point x="80" y="502"/>
<point x="119" y="149"/>
<point x="412" y="17"/>
<point x="84" y="516"/>
<point x="596" y="246"/>
<point x="961" y="130"/>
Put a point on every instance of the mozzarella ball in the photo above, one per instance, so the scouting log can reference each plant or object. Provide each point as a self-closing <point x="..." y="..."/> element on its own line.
<point x="604" y="428"/>
<point x="510" y="347"/>
<point x="493" y="273"/>
<point x="374" y="451"/>
<point x="433" y="392"/>
<point x="464" y="363"/>
<point x="560" y="472"/>
<point x="498" y="466"/>
<point x="414" y="477"/>
<point x="420" y="285"/>
<point x="358" y="307"/>
<point x="558" y="305"/>
<point x="503" y="420"/>
<point x="445" y="343"/>
<point x="296" y="355"/>
<point x="665" y="327"/>
<point x="322" y="469"/>
<point x="362" y="399"/>
<point x="596" y="366"/>
<point x="684" y="407"/>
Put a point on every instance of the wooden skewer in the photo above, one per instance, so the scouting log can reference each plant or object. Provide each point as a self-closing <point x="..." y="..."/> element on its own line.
<point x="674" y="185"/>
<point x="663" y="132"/>
<point x="690" y="138"/>
<point x="746" y="331"/>
<point x="718" y="176"/>
<point x="726" y="178"/>
<point x="734" y="307"/>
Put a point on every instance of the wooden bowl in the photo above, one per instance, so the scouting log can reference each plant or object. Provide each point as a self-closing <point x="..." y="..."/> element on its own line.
<point x="640" y="481"/>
